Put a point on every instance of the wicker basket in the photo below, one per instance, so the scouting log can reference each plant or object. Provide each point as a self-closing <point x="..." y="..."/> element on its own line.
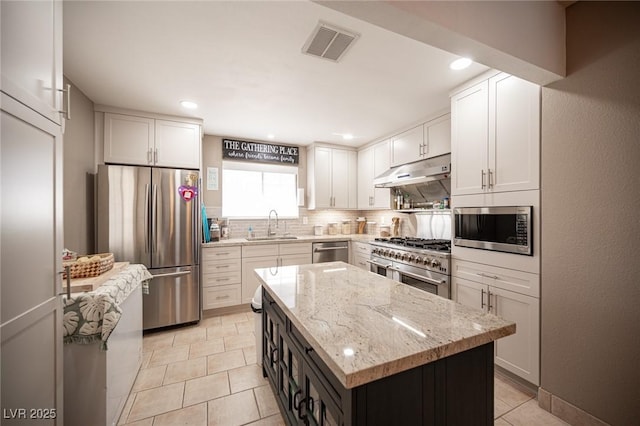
<point x="89" y="269"/>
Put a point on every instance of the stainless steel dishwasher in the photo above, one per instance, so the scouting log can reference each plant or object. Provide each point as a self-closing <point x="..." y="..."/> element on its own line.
<point x="331" y="251"/>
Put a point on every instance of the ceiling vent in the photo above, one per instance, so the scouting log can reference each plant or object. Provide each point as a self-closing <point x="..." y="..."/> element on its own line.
<point x="329" y="42"/>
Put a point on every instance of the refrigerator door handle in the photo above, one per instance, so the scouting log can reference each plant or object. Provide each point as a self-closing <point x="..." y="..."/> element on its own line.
<point x="147" y="243"/>
<point x="172" y="274"/>
<point x="154" y="224"/>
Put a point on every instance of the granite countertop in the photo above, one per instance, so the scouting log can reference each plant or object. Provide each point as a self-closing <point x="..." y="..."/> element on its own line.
<point x="366" y="327"/>
<point x="365" y="238"/>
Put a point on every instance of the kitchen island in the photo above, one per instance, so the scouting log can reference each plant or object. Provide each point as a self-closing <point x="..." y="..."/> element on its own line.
<point x="346" y="346"/>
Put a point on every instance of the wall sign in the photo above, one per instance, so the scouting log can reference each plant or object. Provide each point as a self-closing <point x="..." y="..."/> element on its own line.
<point x="259" y="152"/>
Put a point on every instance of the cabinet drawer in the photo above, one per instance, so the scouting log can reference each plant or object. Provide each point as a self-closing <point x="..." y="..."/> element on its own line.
<point x="507" y="279"/>
<point x="218" y="297"/>
<point x="222" y="278"/>
<point x="362" y="249"/>
<point x="221" y="266"/>
<point x="220" y="253"/>
<point x="295" y="248"/>
<point x="361" y="262"/>
<point x="260" y="250"/>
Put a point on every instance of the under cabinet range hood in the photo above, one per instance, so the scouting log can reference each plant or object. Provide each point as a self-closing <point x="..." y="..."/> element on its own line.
<point x="429" y="170"/>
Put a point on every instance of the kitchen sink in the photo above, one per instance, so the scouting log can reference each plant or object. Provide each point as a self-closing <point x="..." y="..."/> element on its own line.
<point x="275" y="237"/>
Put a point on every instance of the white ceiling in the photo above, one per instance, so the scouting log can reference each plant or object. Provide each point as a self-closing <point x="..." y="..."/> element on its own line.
<point x="242" y="63"/>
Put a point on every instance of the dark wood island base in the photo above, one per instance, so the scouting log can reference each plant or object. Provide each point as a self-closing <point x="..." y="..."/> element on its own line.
<point x="455" y="390"/>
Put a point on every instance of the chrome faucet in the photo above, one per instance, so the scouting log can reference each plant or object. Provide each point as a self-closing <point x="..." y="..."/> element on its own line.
<point x="269" y="232"/>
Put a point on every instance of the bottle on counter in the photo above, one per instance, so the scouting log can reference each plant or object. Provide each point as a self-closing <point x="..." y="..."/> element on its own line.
<point x="399" y="200"/>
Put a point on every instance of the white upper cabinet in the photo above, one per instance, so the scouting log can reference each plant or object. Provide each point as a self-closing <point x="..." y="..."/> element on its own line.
<point x="407" y="146"/>
<point x="496" y="136"/>
<point x="514" y="148"/>
<point x="128" y="139"/>
<point x="437" y="137"/>
<point x="137" y="140"/>
<point x="177" y="144"/>
<point x="331" y="178"/>
<point x="428" y="140"/>
<point x="469" y="139"/>
<point x="32" y="54"/>
<point x="373" y="161"/>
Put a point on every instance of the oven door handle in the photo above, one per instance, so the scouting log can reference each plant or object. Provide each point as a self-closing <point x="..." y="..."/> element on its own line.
<point x="418" y="277"/>
<point x="389" y="266"/>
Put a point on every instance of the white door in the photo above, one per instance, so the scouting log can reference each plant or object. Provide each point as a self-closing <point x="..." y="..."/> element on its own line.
<point x="518" y="353"/>
<point x="469" y="293"/>
<point x="249" y="280"/>
<point x="340" y="179"/>
<point x="407" y="146"/>
<point x="365" y="178"/>
<point x="32" y="54"/>
<point x="469" y="137"/>
<point x="296" y="259"/>
<point x="177" y="144"/>
<point x="381" y="163"/>
<point x="30" y="261"/>
<point x="129" y="139"/>
<point x="514" y="134"/>
<point x="438" y="137"/>
<point x="322" y="177"/>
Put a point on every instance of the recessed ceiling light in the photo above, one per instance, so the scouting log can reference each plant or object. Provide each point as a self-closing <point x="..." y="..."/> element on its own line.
<point x="189" y="104"/>
<point x="345" y="136"/>
<point x="271" y="136"/>
<point x="460" y="64"/>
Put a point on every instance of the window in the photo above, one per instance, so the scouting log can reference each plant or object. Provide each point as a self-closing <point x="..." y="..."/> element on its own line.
<point x="250" y="190"/>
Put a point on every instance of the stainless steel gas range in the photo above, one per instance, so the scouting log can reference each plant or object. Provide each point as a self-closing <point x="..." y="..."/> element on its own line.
<point x="421" y="263"/>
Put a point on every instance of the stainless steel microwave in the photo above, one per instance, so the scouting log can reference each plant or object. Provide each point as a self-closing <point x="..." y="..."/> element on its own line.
<point x="506" y="229"/>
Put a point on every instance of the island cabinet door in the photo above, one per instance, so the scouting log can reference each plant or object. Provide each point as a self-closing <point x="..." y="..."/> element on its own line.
<point x="271" y="327"/>
<point x="290" y="390"/>
<point x="319" y="407"/>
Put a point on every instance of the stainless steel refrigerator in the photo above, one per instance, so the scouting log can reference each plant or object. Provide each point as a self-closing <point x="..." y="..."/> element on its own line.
<point x="151" y="216"/>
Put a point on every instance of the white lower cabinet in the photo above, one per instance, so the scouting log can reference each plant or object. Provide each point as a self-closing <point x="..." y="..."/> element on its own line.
<point x="97" y="383"/>
<point x="360" y="254"/>
<point x="269" y="256"/>
<point x="486" y="287"/>
<point x="221" y="276"/>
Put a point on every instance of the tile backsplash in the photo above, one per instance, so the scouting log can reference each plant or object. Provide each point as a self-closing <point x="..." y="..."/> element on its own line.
<point x="238" y="228"/>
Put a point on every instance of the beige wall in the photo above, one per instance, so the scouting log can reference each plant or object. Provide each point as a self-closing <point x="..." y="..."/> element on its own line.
<point x="78" y="161"/>
<point x="523" y="38"/>
<point x="590" y="205"/>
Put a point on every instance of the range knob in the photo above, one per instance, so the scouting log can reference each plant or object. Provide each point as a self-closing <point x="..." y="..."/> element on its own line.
<point x="385" y="253"/>
<point x="427" y="261"/>
<point x="411" y="258"/>
<point x="392" y="253"/>
<point x="435" y="263"/>
<point x="374" y="251"/>
<point x="418" y="259"/>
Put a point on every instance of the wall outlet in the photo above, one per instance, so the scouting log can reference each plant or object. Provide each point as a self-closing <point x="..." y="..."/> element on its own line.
<point x="305" y="220"/>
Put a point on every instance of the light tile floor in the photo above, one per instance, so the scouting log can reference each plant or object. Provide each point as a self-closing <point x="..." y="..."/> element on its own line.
<point x="206" y="374"/>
